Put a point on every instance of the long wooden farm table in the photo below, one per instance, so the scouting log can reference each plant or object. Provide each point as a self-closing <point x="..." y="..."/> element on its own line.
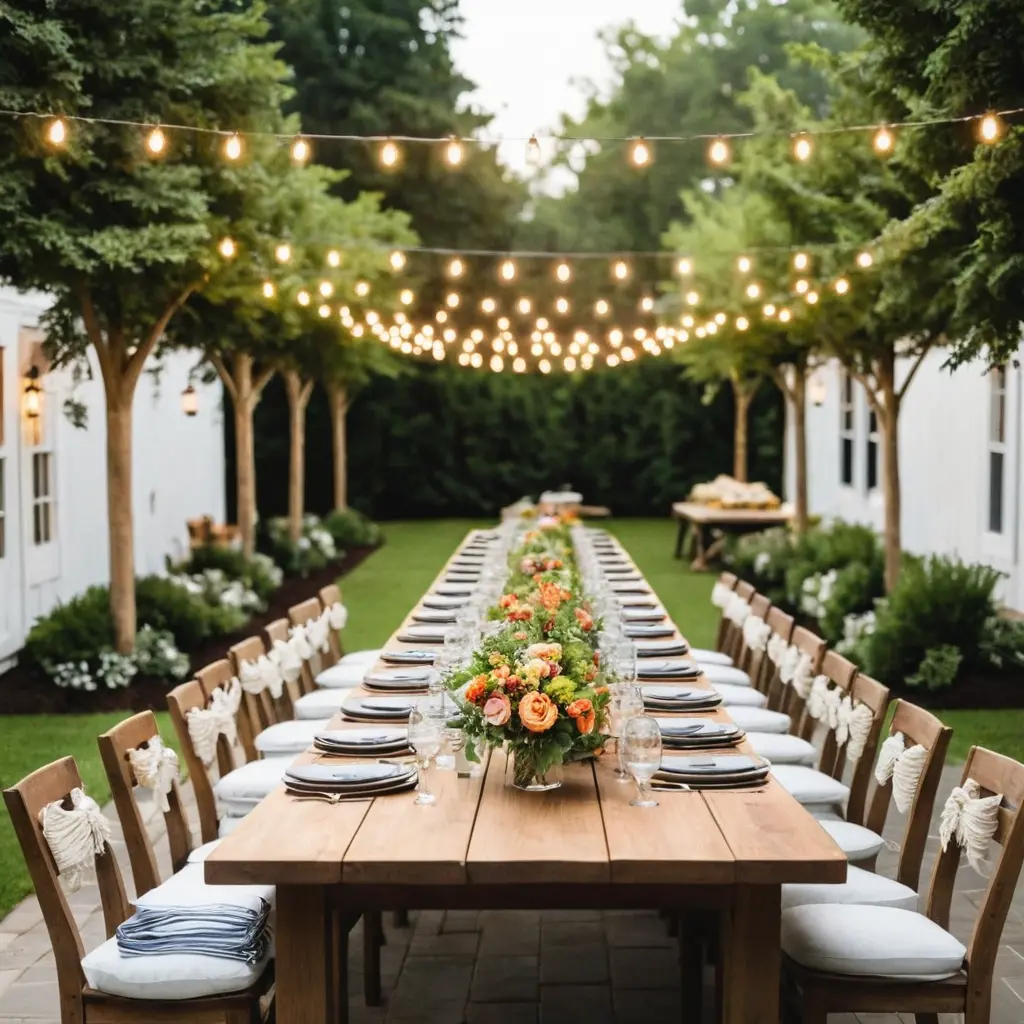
<point x="729" y="520"/>
<point x="485" y="845"/>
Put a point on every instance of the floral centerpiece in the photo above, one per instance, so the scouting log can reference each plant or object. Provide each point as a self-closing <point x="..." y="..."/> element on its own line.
<point x="534" y="685"/>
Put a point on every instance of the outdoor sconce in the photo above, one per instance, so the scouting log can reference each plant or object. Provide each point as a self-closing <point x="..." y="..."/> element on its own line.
<point x="817" y="390"/>
<point x="33" y="394"/>
<point x="190" y="401"/>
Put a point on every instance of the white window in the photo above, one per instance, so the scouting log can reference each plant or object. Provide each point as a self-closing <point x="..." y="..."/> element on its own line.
<point x="847" y="419"/>
<point x="871" y="480"/>
<point x="44" y="521"/>
<point x="997" y="449"/>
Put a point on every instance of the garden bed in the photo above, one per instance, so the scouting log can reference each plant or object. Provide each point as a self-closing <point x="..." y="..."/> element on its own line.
<point x="986" y="691"/>
<point x="26" y="690"/>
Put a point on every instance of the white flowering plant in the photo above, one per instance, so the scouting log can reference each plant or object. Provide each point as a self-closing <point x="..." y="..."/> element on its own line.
<point x="155" y="655"/>
<point x="314" y="549"/>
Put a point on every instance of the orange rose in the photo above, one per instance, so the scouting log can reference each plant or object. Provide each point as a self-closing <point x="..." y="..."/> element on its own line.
<point x="538" y="712"/>
<point x="502" y="672"/>
<point x="583" y="711"/>
<point x="508" y="600"/>
<point x="476" y="689"/>
<point x="585" y="619"/>
<point x="520" y="635"/>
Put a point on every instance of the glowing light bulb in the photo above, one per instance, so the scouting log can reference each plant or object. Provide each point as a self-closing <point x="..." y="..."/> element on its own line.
<point x="569" y="364"/>
<point x="507" y="271"/>
<point x="586" y="361"/>
<point x="784" y="316"/>
<point x="684" y="267"/>
<point x="802" y="148"/>
<point x="544" y="366"/>
<point x="842" y="286"/>
<point x="533" y="151"/>
<point x="864" y="259"/>
<point x="326" y="289"/>
<point x="57" y="132"/>
<point x="768" y="309"/>
<point x="454" y="152"/>
<point x="562" y="306"/>
<point x="742" y="323"/>
<point x="456" y="268"/>
<point x="601" y="307"/>
<point x="615" y="337"/>
<point x="476" y="335"/>
<point x="390" y="154"/>
<point x="883" y="141"/>
<point x="524" y="306"/>
<point x="397" y="260"/>
<point x="647" y="304"/>
<point x="628" y="354"/>
<point x="497" y="363"/>
<point x="801" y="261"/>
<point x="362" y="289"/>
<point x="463" y="359"/>
<point x="720" y="319"/>
<point x="718" y="152"/>
<point x="283" y="253"/>
<point x="503" y="323"/>
<point x="441" y="316"/>
<point x="743" y="264"/>
<point x="687" y="321"/>
<point x="801" y="287"/>
<point x="333" y="258"/>
<point x="639" y="334"/>
<point x="700" y="332"/>
<point x="612" y="359"/>
<point x="620" y="270"/>
<point x="438" y="352"/>
<point x="324" y="311"/>
<point x="450" y="335"/>
<point x="303" y="298"/>
<point x="156" y="142"/>
<point x="536" y="349"/>
<point x="542" y="324"/>
<point x="990" y="128"/>
<point x="556" y="349"/>
<point x="452" y="300"/>
<point x="227" y="248"/>
<point x="476" y="360"/>
<point x="233" y="147"/>
<point x="753" y="290"/>
<point x="406" y="297"/>
<point x="812" y="298"/>
<point x="269" y="291"/>
<point x="488" y="305"/>
<point x="519" y="364"/>
<point x="301" y="151"/>
<point x="711" y="327"/>
<point x="640" y="153"/>
<point x="563" y="272"/>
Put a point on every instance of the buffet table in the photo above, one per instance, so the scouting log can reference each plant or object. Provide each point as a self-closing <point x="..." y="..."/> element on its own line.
<point x="699" y="518"/>
<point x="485" y="845"/>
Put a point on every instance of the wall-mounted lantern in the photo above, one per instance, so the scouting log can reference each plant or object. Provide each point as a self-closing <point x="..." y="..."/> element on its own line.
<point x="817" y="390"/>
<point x="33" y="400"/>
<point x="190" y="401"/>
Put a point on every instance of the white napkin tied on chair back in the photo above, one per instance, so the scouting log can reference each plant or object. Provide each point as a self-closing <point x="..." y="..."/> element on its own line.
<point x="260" y="675"/>
<point x="777" y="647"/>
<point x="971" y="820"/>
<point x="288" y="663"/>
<point x="155" y="767"/>
<point x="721" y="595"/>
<point x="903" y="766"/>
<point x="337" y="615"/>
<point x="75" y="837"/>
<point x="756" y="633"/>
<point x="737" y="610"/>
<point x="853" y="727"/>
<point x="299" y="640"/>
<point x="787" y="666"/>
<point x="833" y="700"/>
<point x="817" y="706"/>
<point x="802" y="680"/>
<point x="207" y="725"/>
<point x="318" y="633"/>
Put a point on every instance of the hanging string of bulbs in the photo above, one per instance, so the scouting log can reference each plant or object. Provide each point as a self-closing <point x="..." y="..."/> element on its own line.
<point x="452" y="149"/>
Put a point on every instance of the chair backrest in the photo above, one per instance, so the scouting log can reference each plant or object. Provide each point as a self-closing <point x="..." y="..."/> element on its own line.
<point x="994" y="773"/>
<point x="299" y="615"/>
<point x="782" y="624"/>
<point x="180" y="701"/>
<point x="729" y="581"/>
<point x="24" y="802"/>
<point x="783" y="697"/>
<point x="918" y="727"/>
<point x="115" y="746"/>
<point x="751" y="660"/>
<point x="217" y="674"/>
<point x="329" y="596"/>
<point x="732" y="643"/>
<point x="862" y="690"/>
<point x="261" y="708"/>
<point x="277" y="631"/>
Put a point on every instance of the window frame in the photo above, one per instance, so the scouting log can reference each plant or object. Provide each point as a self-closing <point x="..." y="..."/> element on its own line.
<point x="847" y="428"/>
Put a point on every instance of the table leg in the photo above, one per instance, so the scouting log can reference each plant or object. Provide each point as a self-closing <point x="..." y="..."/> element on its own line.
<point x="751" y="956"/>
<point x="304" y="974"/>
<point x="699" y="563"/>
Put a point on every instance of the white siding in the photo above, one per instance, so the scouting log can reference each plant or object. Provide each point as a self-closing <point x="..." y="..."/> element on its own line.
<point x="178" y="474"/>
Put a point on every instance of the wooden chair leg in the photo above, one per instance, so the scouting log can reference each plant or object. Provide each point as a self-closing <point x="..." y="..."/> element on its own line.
<point x="400" y="918"/>
<point x="813" y="1009"/>
<point x="372" y="940"/>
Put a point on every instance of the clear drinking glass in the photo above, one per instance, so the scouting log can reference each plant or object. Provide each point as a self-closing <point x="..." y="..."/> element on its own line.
<point x="425" y="734"/>
<point x="627" y="702"/>
<point x="642" y="750"/>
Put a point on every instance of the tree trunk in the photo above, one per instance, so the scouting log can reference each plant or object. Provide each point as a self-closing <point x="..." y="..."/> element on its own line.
<point x="799" y="404"/>
<point x="245" y="473"/>
<point x="742" y="394"/>
<point x="298" y="397"/>
<point x="338" y="398"/>
<point x="889" y="425"/>
<point x="119" y="513"/>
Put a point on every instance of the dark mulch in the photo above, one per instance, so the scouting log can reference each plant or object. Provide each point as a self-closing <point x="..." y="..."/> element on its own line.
<point x="978" y="691"/>
<point x="24" y="690"/>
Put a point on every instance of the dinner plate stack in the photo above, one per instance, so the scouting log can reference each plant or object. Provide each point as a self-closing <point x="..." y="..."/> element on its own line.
<point x="440" y="601"/>
<point x="673" y="668"/>
<point x="687" y="734"/>
<point x="616" y="576"/>
<point x="661" y="648"/>
<point x="377" y="709"/>
<point x="446" y="615"/>
<point x="637" y="587"/>
<point x="670" y="698"/>
<point x="423" y="633"/>
<point x="454" y="589"/>
<point x="654" y="614"/>
<point x="408" y="657"/>
<point x="368" y="741"/>
<point x="707" y="771"/>
<point x="636" y="601"/>
<point x="350" y="781"/>
<point x="399" y="680"/>
<point x="648" y="630"/>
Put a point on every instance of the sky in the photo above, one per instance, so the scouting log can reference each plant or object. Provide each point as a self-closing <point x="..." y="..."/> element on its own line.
<point x="525" y="54"/>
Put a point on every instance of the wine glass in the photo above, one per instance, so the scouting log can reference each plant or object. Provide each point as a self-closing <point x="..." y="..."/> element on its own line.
<point x="425" y="734"/>
<point x="627" y="702"/>
<point x="642" y="751"/>
<point x="623" y="662"/>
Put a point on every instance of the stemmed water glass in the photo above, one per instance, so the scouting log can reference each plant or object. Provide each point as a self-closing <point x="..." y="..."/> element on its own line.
<point x="627" y="703"/>
<point x="642" y="752"/>
<point x="425" y="735"/>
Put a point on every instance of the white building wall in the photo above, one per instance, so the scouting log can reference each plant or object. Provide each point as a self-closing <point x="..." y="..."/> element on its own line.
<point x="944" y="466"/>
<point x="177" y="465"/>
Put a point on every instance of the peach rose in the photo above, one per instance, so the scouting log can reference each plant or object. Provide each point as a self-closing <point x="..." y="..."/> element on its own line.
<point x="476" y="689"/>
<point x="508" y="600"/>
<point x="585" y="619"/>
<point x="538" y="712"/>
<point x="498" y="709"/>
<point x="583" y="711"/>
<point x="519" y="635"/>
<point x="502" y="672"/>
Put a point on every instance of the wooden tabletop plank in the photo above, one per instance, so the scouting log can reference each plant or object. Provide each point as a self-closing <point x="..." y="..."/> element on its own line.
<point x="698" y="513"/>
<point x="555" y="837"/>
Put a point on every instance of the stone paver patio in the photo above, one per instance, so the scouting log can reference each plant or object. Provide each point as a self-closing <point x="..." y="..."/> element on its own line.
<point x="518" y="967"/>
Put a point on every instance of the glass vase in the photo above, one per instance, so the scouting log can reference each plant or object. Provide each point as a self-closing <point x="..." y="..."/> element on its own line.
<point x="526" y="777"/>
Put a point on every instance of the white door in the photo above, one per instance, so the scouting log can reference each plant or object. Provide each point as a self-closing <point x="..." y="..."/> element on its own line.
<point x="11" y="611"/>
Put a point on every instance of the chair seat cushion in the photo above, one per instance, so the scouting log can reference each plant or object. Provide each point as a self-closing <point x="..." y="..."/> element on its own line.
<point x="320" y="703"/>
<point x="364" y="658"/>
<point x="705" y="657"/>
<point x="782" y="748"/>
<point x="759" y="719"/>
<point x="188" y="888"/>
<point x="861" y="887"/>
<point x="856" y="841"/>
<point x="740" y="696"/>
<point x="881" y="942"/>
<point x="290" y="737"/>
<point x="341" y="676"/>
<point x="810" y="786"/>
<point x="228" y="824"/>
<point x="170" y="976"/>
<point x="716" y="674"/>
<point x="198" y="855"/>
<point x="242" y="789"/>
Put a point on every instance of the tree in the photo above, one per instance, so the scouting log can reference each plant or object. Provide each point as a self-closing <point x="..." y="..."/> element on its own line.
<point x="120" y="239"/>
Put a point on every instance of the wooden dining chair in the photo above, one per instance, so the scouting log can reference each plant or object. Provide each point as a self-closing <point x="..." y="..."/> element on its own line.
<point x="79" y="1003"/>
<point x="262" y="709"/>
<point x="752" y="661"/>
<point x="298" y="615"/>
<point x="781" y="624"/>
<point x="220" y="673"/>
<point x="876" y="956"/>
<point x="733" y="643"/>
<point x="782" y="696"/>
<point x="723" y="637"/>
<point x="330" y="596"/>
<point x="116" y="745"/>
<point x="277" y="632"/>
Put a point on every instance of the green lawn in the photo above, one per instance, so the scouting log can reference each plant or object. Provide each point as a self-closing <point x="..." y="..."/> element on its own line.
<point x="378" y="594"/>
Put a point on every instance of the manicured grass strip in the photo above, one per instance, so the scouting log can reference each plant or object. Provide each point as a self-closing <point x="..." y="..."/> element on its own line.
<point x="1000" y="730"/>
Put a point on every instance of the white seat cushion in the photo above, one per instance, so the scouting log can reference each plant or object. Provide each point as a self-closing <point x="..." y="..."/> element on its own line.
<point x="759" y="719"/>
<point x="170" y="976"/>
<point x="782" y="748"/>
<point x="188" y="888"/>
<point x="290" y="737"/>
<point x="242" y="789"/>
<point x="228" y="824"/>
<point x="716" y="674"/>
<point x="856" y="841"/>
<point x="198" y="855"/>
<point x="341" y="676"/>
<point x="705" y="657"/>
<point x="861" y="887"/>
<point x="880" y="942"/>
<point x="320" y="704"/>
<point x="810" y="786"/>
<point x="741" y="696"/>
<point x="364" y="658"/>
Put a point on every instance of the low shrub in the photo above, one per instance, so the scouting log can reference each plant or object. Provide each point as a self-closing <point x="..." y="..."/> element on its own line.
<point x="834" y="546"/>
<point x="163" y="603"/>
<point x="351" y="529"/>
<point x="258" y="573"/>
<point x="852" y="593"/>
<point x="314" y="549"/>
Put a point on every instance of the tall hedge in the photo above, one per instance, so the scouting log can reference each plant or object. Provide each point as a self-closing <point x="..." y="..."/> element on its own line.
<point x="446" y="441"/>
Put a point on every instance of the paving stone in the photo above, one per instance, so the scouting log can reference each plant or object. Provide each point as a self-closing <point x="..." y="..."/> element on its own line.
<point x="431" y="981"/>
<point x="645" y="968"/>
<point x="570" y="933"/>
<point x="429" y="922"/>
<point x="27" y="914"/>
<point x="438" y="1013"/>
<point x="647" y="930"/>
<point x="7" y="978"/>
<point x="447" y="944"/>
<point x="39" y="999"/>
<point x="512" y="937"/>
<point x="509" y="917"/>
<point x="6" y="938"/>
<point x="1016" y="986"/>
<point x="575" y="1004"/>
<point x="502" y="1013"/>
<point x="646" y="1006"/>
<point x="461" y="921"/>
<point x="585" y="964"/>
<point x="505" y="979"/>
<point x="577" y="916"/>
